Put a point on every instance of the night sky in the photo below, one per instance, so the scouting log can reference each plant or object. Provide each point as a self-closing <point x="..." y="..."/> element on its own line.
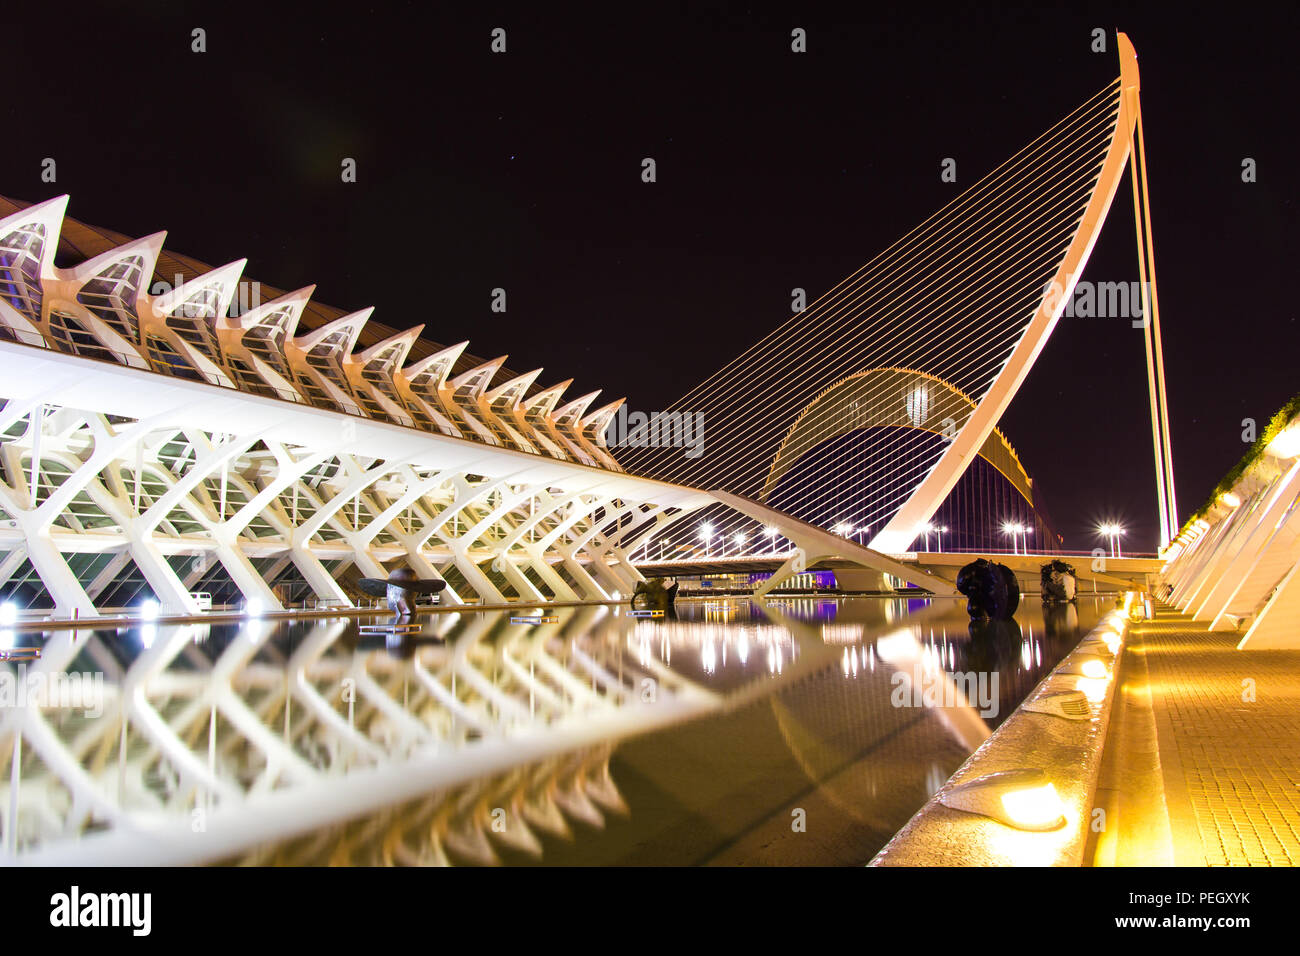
<point x="775" y="170"/>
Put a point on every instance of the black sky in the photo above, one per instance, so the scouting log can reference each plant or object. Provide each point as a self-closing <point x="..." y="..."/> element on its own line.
<point x="775" y="170"/>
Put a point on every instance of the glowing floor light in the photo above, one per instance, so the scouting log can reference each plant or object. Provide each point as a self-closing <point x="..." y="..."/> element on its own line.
<point x="1024" y="799"/>
<point x="1094" y="668"/>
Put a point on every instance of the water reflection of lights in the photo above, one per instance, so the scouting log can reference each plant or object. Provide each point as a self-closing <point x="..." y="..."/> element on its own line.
<point x="842" y="633"/>
<point x="807" y="608"/>
<point x="899" y="643"/>
<point x="1031" y="654"/>
<point x="857" y="659"/>
<point x="714" y="643"/>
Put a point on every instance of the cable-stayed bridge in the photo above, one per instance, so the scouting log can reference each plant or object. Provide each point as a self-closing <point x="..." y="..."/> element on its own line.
<point x="161" y="446"/>
<point x="865" y="410"/>
<point x="157" y="447"/>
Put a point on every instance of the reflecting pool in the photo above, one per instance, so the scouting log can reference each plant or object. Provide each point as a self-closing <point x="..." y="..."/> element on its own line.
<point x="783" y="732"/>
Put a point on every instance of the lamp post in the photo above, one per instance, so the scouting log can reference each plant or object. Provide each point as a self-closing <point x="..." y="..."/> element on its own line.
<point x="706" y="534"/>
<point x="1009" y="528"/>
<point x="740" y="539"/>
<point x="940" y="532"/>
<point x="771" y="532"/>
<point x="1112" y="533"/>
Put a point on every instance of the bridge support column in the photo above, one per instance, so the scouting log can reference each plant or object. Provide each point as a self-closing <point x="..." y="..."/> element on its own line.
<point x="862" y="579"/>
<point x="796" y="563"/>
<point x="813" y="544"/>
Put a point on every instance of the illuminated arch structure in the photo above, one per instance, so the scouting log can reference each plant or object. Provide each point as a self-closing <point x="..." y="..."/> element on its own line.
<point x="879" y="414"/>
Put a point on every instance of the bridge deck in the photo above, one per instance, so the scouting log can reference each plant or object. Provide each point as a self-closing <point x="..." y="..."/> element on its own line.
<point x="1118" y="571"/>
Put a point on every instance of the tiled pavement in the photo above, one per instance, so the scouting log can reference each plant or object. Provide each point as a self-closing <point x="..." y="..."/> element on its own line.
<point x="1228" y="730"/>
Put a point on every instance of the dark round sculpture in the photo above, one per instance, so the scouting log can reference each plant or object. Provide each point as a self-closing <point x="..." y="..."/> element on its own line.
<point x="655" y="595"/>
<point x="400" y="589"/>
<point x="991" y="590"/>
<point x="1058" y="582"/>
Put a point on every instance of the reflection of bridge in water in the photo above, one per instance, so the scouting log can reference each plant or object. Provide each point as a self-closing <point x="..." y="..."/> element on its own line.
<point x="314" y="742"/>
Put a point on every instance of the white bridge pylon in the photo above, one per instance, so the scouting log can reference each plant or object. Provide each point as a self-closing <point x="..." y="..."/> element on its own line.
<point x="964" y="303"/>
<point x="929" y="495"/>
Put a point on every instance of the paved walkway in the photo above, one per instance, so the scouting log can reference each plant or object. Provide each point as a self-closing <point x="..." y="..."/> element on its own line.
<point x="1203" y="761"/>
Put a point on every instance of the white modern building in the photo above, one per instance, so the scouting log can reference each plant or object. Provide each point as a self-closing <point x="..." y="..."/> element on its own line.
<point x="163" y="446"/>
<point x="1237" y="565"/>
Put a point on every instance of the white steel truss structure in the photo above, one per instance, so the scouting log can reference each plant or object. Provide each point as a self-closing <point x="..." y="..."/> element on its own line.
<point x="1238" y="568"/>
<point x="158" y="445"/>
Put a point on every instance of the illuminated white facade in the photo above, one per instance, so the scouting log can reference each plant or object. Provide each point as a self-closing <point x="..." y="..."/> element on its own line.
<point x="1238" y="568"/>
<point x="158" y="445"/>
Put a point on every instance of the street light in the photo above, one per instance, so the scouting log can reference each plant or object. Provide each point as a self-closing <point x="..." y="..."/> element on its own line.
<point x="771" y="532"/>
<point x="941" y="532"/>
<point x="1011" y="529"/>
<point x="925" y="530"/>
<point x="843" y="529"/>
<point x="1112" y="532"/>
<point x="706" y="534"/>
<point x="861" y="531"/>
<point x="739" y="538"/>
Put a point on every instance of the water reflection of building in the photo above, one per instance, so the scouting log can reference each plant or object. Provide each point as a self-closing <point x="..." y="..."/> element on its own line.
<point x="276" y="733"/>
